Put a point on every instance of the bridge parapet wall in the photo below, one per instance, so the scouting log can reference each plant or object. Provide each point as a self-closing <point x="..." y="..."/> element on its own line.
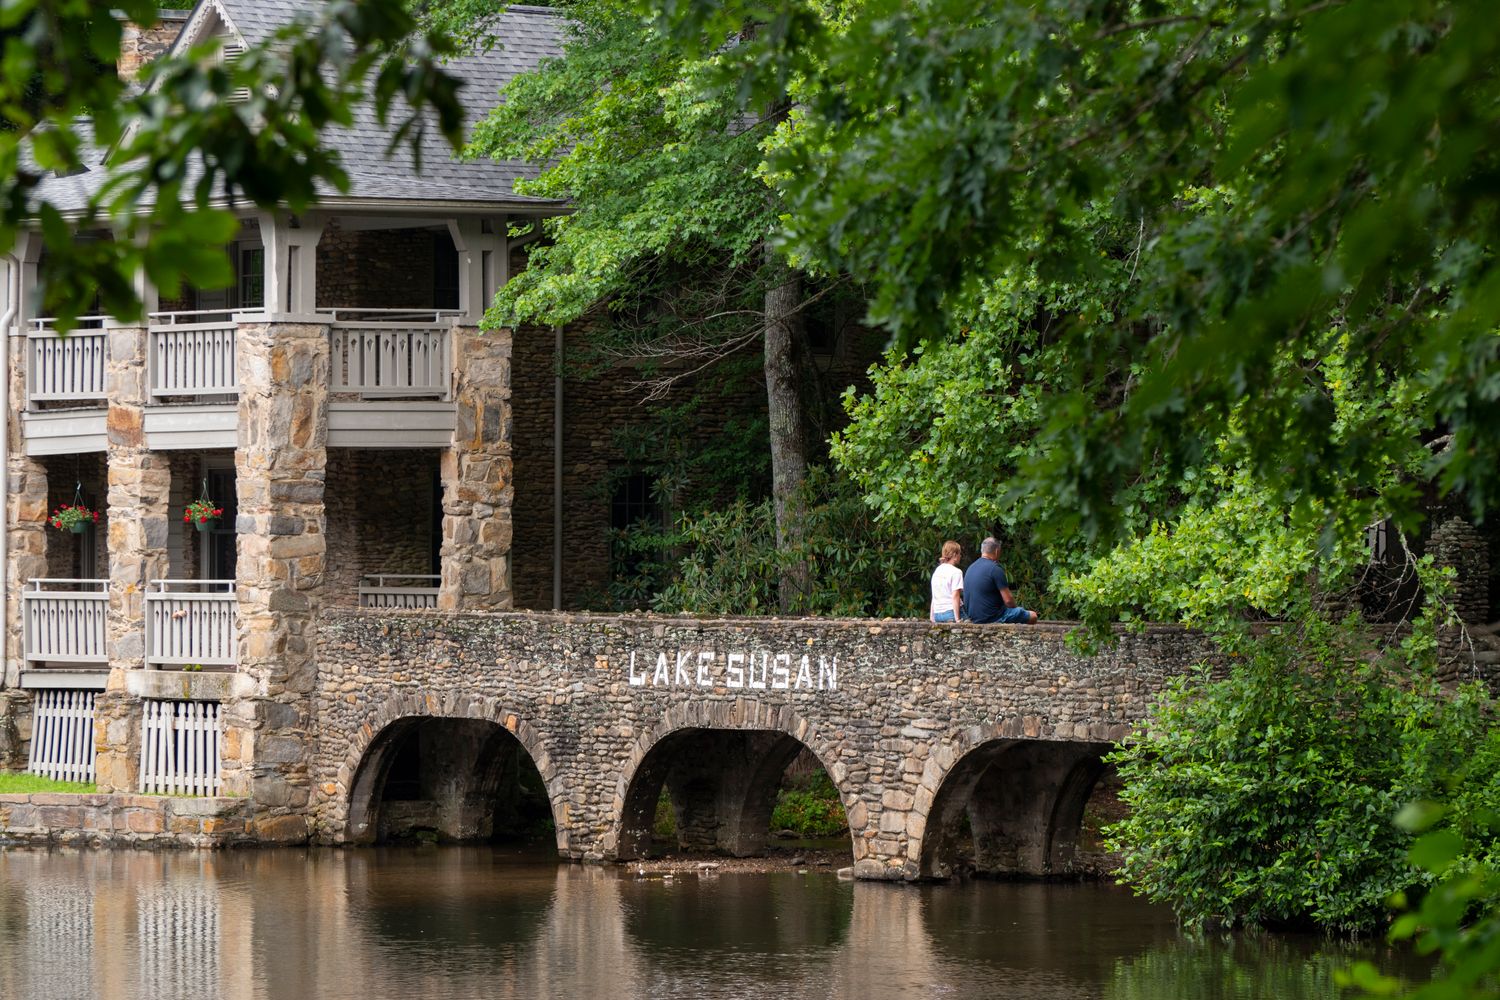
<point x="889" y="707"/>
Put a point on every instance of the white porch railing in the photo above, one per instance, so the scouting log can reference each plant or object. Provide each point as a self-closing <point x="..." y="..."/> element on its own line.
<point x="180" y="748"/>
<point x="390" y="352"/>
<point x="62" y="736"/>
<point x="68" y="367"/>
<point x="192" y="354"/>
<point x="191" y="623"/>
<point x="64" y="621"/>
<point x="378" y="591"/>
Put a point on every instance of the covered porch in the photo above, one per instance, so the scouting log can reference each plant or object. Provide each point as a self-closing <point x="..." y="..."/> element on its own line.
<point x="385" y="292"/>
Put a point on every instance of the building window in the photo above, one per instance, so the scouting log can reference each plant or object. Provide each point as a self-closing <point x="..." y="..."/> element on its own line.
<point x="252" y="271"/>
<point x="632" y="509"/>
<point x="632" y="502"/>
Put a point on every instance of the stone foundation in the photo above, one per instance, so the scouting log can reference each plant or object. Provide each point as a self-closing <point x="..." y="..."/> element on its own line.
<point x="121" y="820"/>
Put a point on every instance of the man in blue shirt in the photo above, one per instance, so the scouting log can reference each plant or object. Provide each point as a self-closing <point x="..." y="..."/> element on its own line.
<point x="987" y="593"/>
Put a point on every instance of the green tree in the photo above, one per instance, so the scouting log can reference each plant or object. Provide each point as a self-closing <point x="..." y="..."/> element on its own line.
<point x="177" y="152"/>
<point x="671" y="223"/>
<point x="1286" y="167"/>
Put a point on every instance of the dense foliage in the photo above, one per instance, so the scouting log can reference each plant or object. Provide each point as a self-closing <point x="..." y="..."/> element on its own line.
<point x="810" y="808"/>
<point x="1269" y="796"/>
<point x="950" y="429"/>
<point x="860" y="565"/>
<point x="1285" y="168"/>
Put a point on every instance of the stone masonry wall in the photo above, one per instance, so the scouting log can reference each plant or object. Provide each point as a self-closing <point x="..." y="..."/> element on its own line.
<point x="477" y="473"/>
<point x="378" y="268"/>
<point x="123" y="820"/>
<point x="280" y="465"/>
<point x="889" y="708"/>
<point x="1457" y="544"/>
<point x="380" y="507"/>
<point x="142" y="44"/>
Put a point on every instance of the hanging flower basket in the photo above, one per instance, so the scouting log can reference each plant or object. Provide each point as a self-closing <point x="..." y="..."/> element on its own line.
<point x="202" y="514"/>
<point x="74" y="518"/>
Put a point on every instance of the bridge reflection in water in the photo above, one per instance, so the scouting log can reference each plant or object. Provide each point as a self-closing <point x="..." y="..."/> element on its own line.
<point x="479" y="922"/>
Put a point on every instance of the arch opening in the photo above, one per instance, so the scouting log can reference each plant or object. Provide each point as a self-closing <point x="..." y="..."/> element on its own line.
<point x="716" y="791"/>
<point x="448" y="781"/>
<point x="1022" y="808"/>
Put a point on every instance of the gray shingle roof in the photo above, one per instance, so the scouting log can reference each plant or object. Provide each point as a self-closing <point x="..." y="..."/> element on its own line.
<point x="525" y="36"/>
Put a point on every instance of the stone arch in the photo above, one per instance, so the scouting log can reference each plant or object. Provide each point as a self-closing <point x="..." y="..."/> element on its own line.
<point x="1024" y="798"/>
<point x="1067" y="812"/>
<point x="371" y="750"/>
<point x="742" y="715"/>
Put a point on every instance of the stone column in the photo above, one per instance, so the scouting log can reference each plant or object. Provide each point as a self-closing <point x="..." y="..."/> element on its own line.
<point x="280" y="466"/>
<point x="1457" y="544"/>
<point x="26" y="549"/>
<point x="478" y="491"/>
<point x="26" y="501"/>
<point x="139" y="514"/>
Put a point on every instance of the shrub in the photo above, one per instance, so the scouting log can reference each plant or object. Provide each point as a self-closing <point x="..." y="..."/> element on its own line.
<point x="810" y="809"/>
<point x="1268" y="796"/>
<point x="861" y="565"/>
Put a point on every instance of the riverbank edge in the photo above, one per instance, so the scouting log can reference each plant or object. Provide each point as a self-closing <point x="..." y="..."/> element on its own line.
<point x="100" y="819"/>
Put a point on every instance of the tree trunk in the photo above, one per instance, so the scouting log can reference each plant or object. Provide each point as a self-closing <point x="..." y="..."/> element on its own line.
<point x="784" y="336"/>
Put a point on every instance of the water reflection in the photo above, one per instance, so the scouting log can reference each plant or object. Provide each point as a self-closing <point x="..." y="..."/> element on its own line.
<point x="374" y="924"/>
<point x="1246" y="967"/>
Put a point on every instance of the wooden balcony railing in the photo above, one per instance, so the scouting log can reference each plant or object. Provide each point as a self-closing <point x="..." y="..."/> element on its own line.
<point x="191" y="623"/>
<point x="398" y="590"/>
<point x="69" y="368"/>
<point x="192" y="354"/>
<point x="390" y="352"/>
<point x="64" y="621"/>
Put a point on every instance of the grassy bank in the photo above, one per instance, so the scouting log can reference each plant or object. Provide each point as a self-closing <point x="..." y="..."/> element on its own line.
<point x="15" y="783"/>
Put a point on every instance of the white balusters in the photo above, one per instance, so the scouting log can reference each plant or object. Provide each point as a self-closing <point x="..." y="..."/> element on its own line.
<point x="407" y="591"/>
<point x="397" y="353"/>
<point x="180" y="747"/>
<point x="62" y="736"/>
<point x="192" y="354"/>
<point x="67" y="367"/>
<point x="191" y="623"/>
<point x="64" y="621"/>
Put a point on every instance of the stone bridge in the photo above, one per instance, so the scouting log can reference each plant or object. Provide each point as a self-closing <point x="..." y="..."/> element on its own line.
<point x="916" y="725"/>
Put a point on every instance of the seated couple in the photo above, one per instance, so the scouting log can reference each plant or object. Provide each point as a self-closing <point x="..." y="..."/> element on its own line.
<point x="982" y="593"/>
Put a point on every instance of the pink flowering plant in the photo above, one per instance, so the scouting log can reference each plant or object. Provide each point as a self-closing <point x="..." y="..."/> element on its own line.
<point x="201" y="512"/>
<point x="73" y="517"/>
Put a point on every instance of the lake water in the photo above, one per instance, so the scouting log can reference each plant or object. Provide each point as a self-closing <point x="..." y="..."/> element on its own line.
<point x="455" y="923"/>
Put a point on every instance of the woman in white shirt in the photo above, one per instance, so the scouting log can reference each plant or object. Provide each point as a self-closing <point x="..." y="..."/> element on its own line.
<point x="947" y="585"/>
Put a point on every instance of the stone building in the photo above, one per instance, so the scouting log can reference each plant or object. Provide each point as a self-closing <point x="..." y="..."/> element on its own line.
<point x="338" y="405"/>
<point x="365" y="442"/>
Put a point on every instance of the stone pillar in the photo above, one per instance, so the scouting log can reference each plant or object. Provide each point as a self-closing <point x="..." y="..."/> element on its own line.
<point x="1457" y="544"/>
<point x="477" y="483"/>
<point x="26" y="549"/>
<point x="26" y="501"/>
<point x="139" y="515"/>
<point x="280" y="466"/>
